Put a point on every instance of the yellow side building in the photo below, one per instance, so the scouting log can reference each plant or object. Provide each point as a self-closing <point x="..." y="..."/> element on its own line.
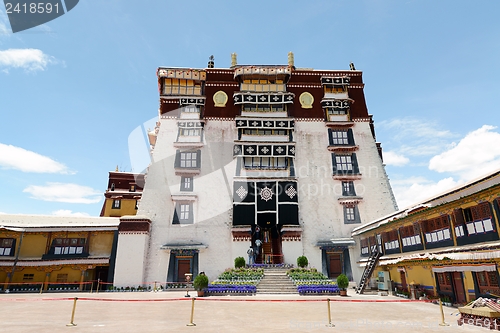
<point x="447" y="246"/>
<point x="55" y="252"/>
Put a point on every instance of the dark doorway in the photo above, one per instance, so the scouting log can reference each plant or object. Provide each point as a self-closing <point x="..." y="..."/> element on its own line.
<point x="335" y="262"/>
<point x="458" y="287"/>
<point x="183" y="267"/>
<point x="404" y="285"/>
<point x="270" y="238"/>
<point x="101" y="274"/>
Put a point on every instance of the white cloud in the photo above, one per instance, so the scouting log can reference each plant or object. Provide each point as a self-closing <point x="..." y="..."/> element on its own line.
<point x="477" y="154"/>
<point x="409" y="192"/>
<point x="395" y="159"/>
<point x="414" y="137"/>
<point x="4" y="31"/>
<point x="64" y="192"/>
<point x="29" y="59"/>
<point x="67" y="212"/>
<point x="12" y="157"/>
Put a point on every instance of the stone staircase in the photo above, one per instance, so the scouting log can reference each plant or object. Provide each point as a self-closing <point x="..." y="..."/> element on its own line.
<point x="275" y="281"/>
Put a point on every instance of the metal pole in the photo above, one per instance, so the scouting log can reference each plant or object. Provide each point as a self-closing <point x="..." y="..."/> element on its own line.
<point x="192" y="313"/>
<point x="98" y="282"/>
<point x="41" y="288"/>
<point x="73" y="314"/>
<point x="442" y="315"/>
<point x="329" y="314"/>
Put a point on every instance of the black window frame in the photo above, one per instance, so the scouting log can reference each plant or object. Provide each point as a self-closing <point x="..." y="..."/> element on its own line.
<point x="4" y="246"/>
<point x="178" y="213"/>
<point x="348" y="189"/>
<point x="183" y="186"/>
<point x="355" y="212"/>
<point x="353" y="162"/>
<point x="114" y="206"/>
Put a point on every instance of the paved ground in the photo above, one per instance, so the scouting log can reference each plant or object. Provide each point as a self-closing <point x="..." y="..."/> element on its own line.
<point x="170" y="312"/>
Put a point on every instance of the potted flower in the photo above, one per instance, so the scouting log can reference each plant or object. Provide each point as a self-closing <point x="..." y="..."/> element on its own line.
<point x="200" y="283"/>
<point x="342" y="283"/>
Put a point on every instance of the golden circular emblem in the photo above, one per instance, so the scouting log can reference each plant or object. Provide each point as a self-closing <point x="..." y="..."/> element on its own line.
<point x="220" y="99"/>
<point x="306" y="100"/>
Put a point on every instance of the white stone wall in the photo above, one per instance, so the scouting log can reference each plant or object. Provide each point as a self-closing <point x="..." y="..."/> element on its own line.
<point x="130" y="259"/>
<point x="291" y="251"/>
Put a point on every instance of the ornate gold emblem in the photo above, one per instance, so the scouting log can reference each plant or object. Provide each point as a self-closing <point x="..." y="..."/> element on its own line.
<point x="220" y="99"/>
<point x="306" y="100"/>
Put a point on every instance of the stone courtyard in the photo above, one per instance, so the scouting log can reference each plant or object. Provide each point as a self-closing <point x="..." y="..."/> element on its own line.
<point x="171" y="311"/>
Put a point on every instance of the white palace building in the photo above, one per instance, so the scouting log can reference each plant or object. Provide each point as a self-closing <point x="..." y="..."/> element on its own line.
<point x="281" y="154"/>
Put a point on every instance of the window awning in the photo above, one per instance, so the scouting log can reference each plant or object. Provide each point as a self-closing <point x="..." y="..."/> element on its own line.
<point x="336" y="80"/>
<point x="263" y="98"/>
<point x="196" y="246"/>
<point x="465" y="268"/>
<point x="336" y="242"/>
<point x="192" y="101"/>
<point x="336" y="103"/>
<point x="262" y="70"/>
<point x="264" y="150"/>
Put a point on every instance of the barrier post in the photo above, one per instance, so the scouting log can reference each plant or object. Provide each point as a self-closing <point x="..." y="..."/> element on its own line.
<point x="73" y="314"/>
<point x="192" y="313"/>
<point x="329" y="314"/>
<point x="442" y="314"/>
<point x="41" y="288"/>
<point x="98" y="283"/>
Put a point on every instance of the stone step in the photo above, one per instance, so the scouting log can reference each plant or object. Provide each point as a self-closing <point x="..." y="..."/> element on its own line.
<point x="277" y="292"/>
<point x="276" y="285"/>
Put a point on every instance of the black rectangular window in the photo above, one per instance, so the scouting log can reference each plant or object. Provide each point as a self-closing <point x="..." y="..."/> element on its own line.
<point x="348" y="189"/>
<point x="188" y="159"/>
<point x="28" y="277"/>
<point x="351" y="214"/>
<point x="68" y="246"/>
<point x="116" y="204"/>
<point x="345" y="164"/>
<point x="265" y="162"/>
<point x="186" y="183"/>
<point x="7" y="246"/>
<point x="340" y="137"/>
<point x="183" y="213"/>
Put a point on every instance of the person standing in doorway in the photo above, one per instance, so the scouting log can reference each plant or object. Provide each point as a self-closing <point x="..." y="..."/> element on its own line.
<point x="258" y="244"/>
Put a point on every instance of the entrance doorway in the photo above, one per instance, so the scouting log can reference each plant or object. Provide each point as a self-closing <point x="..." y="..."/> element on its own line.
<point x="404" y="285"/>
<point x="458" y="287"/>
<point x="270" y="249"/>
<point x="183" y="267"/>
<point x="335" y="265"/>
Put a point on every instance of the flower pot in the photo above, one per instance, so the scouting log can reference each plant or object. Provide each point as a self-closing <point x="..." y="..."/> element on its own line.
<point x="201" y="293"/>
<point x="343" y="293"/>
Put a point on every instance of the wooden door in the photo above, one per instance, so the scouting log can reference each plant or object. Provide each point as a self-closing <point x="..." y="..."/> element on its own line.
<point x="183" y="267"/>
<point x="458" y="287"/>
<point x="335" y="264"/>
<point x="404" y="286"/>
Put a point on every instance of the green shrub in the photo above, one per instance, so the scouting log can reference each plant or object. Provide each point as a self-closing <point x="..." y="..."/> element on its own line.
<point x="200" y="282"/>
<point x="342" y="282"/>
<point x="239" y="262"/>
<point x="302" y="261"/>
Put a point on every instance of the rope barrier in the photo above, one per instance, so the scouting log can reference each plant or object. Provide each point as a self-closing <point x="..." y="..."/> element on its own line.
<point x="207" y="299"/>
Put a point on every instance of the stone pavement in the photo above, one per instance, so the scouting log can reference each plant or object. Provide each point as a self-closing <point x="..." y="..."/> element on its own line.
<point x="170" y="312"/>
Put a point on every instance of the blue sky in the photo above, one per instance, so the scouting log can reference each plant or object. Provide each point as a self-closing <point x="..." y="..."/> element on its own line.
<point x="72" y="90"/>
